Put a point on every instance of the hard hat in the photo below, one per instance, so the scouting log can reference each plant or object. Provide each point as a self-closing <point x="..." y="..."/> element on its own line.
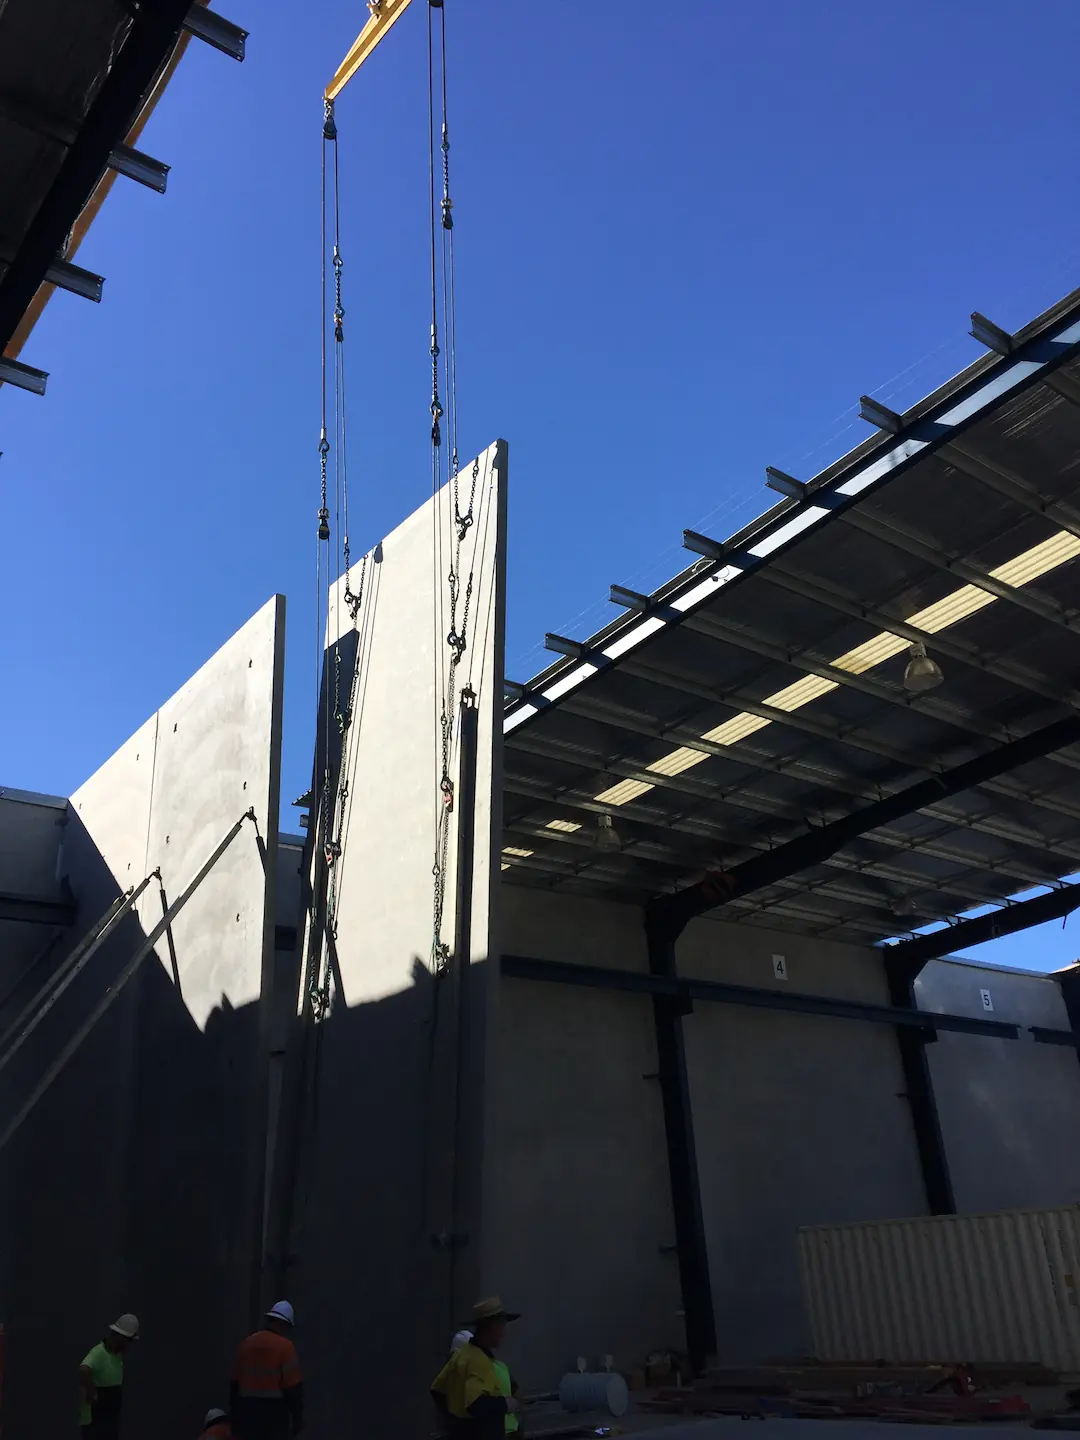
<point x="127" y="1326"/>
<point x="212" y="1416"/>
<point x="282" y="1311"/>
<point x="460" y="1340"/>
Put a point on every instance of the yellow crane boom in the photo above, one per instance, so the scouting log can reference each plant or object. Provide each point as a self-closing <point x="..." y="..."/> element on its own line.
<point x="384" y="15"/>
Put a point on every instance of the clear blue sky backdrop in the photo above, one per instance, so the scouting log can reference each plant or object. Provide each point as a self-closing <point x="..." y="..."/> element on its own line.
<point x="689" y="237"/>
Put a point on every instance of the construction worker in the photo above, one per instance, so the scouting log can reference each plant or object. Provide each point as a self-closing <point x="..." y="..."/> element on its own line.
<point x="216" y="1426"/>
<point x="507" y="1384"/>
<point x="101" y="1380"/>
<point x="470" y="1401"/>
<point x="266" y="1390"/>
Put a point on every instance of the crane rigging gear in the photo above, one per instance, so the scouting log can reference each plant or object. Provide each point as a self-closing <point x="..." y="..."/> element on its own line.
<point x="452" y="588"/>
<point x="333" y="810"/>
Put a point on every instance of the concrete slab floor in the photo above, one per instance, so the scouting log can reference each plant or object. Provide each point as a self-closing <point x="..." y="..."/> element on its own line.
<point x="733" y="1427"/>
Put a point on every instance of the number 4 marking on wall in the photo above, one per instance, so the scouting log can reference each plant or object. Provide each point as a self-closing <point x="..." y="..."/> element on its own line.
<point x="779" y="967"/>
<point x="987" y="999"/>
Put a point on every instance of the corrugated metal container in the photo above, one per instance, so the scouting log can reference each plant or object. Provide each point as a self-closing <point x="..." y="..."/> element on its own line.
<point x="946" y="1288"/>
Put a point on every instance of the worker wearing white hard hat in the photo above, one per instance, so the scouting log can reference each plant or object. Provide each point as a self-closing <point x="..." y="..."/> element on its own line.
<point x="216" y="1426"/>
<point x="101" y="1380"/>
<point x="266" y="1389"/>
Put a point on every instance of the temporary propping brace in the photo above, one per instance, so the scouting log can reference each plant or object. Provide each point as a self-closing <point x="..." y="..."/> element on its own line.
<point x="121" y="980"/>
<point x="36" y="1010"/>
<point x="670" y="914"/>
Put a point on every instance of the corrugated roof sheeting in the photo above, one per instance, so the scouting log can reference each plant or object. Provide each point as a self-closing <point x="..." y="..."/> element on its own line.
<point x="777" y="701"/>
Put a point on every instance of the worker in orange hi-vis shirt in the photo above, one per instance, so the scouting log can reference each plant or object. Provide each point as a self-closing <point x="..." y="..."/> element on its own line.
<point x="266" y="1390"/>
<point x="216" y="1426"/>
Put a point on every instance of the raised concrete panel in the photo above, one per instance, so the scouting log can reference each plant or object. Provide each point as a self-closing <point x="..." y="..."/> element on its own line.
<point x="795" y="1117"/>
<point x="1009" y="1109"/>
<point x="216" y="758"/>
<point x="138" y="1176"/>
<point x="366" y="1180"/>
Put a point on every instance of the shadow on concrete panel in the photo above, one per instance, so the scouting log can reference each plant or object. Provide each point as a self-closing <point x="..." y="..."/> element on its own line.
<point x="126" y="1188"/>
<point x="370" y="1265"/>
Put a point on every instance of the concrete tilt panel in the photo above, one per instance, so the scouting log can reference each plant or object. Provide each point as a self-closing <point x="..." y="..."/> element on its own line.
<point x="136" y="1182"/>
<point x="380" y="1184"/>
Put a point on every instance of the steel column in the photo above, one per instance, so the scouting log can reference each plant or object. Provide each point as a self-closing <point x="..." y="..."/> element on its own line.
<point x="690" y="1242"/>
<point x="919" y="1090"/>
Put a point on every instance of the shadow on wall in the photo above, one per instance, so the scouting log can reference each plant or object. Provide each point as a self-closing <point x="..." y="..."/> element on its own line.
<point x="127" y="1187"/>
<point x="370" y="1263"/>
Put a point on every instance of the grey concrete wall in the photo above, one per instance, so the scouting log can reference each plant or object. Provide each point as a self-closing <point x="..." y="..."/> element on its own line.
<point x="31" y="835"/>
<point x="367" y="1157"/>
<point x="799" y="1119"/>
<point x="795" y="1117"/>
<point x="135" y="1182"/>
<point x="580" y="1215"/>
<point x="1009" y="1109"/>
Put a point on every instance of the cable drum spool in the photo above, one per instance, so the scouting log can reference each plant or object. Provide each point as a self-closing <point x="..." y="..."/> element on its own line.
<point x="603" y="1391"/>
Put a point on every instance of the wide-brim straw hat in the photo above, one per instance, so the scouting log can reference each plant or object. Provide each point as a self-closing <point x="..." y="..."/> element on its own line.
<point x="490" y="1309"/>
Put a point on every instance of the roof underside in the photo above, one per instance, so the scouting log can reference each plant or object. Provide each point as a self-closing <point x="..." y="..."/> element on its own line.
<point x="761" y="692"/>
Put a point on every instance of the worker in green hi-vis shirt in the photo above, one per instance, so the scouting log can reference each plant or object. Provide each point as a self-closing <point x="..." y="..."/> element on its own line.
<point x="505" y="1381"/>
<point x="101" y="1381"/>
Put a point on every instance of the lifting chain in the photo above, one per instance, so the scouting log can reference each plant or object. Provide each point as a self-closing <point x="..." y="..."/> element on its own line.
<point x="339" y="310"/>
<point x="436" y="404"/>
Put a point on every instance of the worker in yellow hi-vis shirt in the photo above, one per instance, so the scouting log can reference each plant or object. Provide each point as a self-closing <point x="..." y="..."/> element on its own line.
<point x="101" y="1381"/>
<point x="469" y="1399"/>
<point x="507" y="1383"/>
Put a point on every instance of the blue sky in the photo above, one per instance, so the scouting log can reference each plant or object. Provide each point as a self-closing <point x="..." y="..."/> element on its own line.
<point x="688" y="238"/>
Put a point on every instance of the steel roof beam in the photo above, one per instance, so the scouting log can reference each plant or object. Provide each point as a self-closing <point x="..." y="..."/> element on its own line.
<point x="949" y="891"/>
<point x="889" y="532"/>
<point x="822" y="729"/>
<point x="778" y="809"/>
<point x="842" y="602"/>
<point x="755" y="644"/>
<point x="148" y="45"/>
<point x="1003" y="482"/>
<point x="64" y="275"/>
<point x="215" y="30"/>
<point x="684" y="736"/>
<point x="1019" y="916"/>
<point x="684" y="860"/>
<point x="669" y="914"/>
<point x="637" y="982"/>
<point x="132" y="164"/>
<point x="591" y="872"/>
<point x="799" y="720"/>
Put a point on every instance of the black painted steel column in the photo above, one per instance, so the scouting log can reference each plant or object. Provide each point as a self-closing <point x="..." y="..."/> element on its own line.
<point x="1069" y="984"/>
<point x="919" y="1090"/>
<point x="693" y="1253"/>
